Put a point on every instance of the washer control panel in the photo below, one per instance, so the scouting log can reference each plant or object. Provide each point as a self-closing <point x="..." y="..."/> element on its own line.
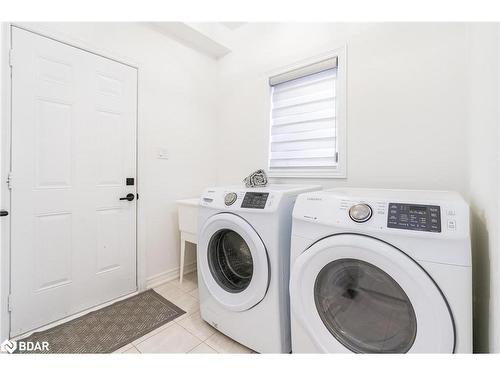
<point x="414" y="217"/>
<point x="254" y="200"/>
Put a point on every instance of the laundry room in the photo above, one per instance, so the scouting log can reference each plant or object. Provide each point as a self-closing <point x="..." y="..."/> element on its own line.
<point x="249" y="185"/>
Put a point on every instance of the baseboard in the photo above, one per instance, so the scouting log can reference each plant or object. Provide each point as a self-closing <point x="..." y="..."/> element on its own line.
<point x="163" y="277"/>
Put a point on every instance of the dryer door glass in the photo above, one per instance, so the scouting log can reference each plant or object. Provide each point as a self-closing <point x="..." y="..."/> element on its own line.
<point x="364" y="308"/>
<point x="230" y="261"/>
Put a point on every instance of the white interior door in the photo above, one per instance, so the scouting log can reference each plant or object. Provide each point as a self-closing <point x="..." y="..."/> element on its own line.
<point x="73" y="241"/>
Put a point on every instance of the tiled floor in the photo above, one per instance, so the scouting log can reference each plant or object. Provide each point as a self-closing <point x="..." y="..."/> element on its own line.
<point x="188" y="333"/>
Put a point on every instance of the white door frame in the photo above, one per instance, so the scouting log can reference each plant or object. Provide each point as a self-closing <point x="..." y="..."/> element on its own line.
<point x="5" y="158"/>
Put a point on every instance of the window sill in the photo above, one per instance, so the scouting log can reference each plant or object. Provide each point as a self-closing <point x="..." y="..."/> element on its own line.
<point x="307" y="174"/>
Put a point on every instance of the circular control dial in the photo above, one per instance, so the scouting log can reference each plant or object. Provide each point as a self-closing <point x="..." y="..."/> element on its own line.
<point x="230" y="198"/>
<point x="360" y="212"/>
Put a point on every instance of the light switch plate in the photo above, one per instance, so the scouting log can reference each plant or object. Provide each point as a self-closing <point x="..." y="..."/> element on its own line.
<point x="162" y="153"/>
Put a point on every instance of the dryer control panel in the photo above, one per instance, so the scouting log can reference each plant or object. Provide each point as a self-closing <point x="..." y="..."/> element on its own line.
<point x="414" y="213"/>
<point x="236" y="200"/>
<point x="430" y="226"/>
<point x="420" y="217"/>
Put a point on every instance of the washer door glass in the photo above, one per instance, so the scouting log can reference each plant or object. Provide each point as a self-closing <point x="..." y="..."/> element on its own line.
<point x="230" y="261"/>
<point x="364" y="308"/>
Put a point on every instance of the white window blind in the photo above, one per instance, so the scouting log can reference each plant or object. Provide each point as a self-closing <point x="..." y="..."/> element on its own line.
<point x="303" y="119"/>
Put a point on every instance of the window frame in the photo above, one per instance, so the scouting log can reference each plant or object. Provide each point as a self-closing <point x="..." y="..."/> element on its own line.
<point x="340" y="171"/>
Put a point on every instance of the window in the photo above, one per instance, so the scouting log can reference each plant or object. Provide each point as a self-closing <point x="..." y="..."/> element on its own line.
<point x="307" y="135"/>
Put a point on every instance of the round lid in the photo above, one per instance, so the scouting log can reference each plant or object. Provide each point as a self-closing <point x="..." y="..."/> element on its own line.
<point x="364" y="308"/>
<point x="232" y="261"/>
<point x="354" y="293"/>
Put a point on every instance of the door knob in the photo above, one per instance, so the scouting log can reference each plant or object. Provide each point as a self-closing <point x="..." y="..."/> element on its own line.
<point x="4" y="213"/>
<point x="130" y="197"/>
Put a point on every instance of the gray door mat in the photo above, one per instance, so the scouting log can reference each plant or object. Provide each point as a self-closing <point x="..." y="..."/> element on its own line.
<point x="110" y="328"/>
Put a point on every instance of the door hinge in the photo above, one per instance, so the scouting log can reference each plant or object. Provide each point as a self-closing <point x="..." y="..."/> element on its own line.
<point x="336" y="157"/>
<point x="9" y="181"/>
<point x="9" y="302"/>
<point x="11" y="57"/>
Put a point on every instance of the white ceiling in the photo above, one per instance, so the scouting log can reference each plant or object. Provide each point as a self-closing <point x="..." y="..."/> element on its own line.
<point x="233" y="25"/>
<point x="212" y="38"/>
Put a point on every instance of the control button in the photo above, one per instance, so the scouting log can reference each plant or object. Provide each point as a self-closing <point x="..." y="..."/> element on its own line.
<point x="360" y="212"/>
<point x="452" y="224"/>
<point x="230" y="198"/>
<point x="450" y="212"/>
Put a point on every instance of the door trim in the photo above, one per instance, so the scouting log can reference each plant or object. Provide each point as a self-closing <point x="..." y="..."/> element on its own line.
<point x="5" y="160"/>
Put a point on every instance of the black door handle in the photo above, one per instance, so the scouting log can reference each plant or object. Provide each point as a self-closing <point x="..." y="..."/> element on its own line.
<point x="4" y="213"/>
<point x="130" y="197"/>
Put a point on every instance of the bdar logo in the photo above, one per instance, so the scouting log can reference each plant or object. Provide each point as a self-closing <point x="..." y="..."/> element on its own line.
<point x="8" y="346"/>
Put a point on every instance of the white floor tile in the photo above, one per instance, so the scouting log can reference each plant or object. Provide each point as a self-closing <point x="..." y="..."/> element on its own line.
<point x="186" y="286"/>
<point x="186" y="302"/>
<point x="132" y="350"/>
<point x="174" y="339"/>
<point x="169" y="291"/>
<point x="124" y="348"/>
<point x="197" y="326"/>
<point x="152" y="333"/>
<point x="194" y="293"/>
<point x="203" y="348"/>
<point x="187" y="315"/>
<point x="223" y="344"/>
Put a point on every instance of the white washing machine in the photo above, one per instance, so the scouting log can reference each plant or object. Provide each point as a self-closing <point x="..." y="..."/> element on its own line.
<point x="243" y="263"/>
<point x="381" y="271"/>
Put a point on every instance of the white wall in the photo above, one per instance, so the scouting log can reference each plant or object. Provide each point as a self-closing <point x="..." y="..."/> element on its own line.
<point x="405" y="102"/>
<point x="483" y="137"/>
<point x="176" y="112"/>
<point x="422" y="112"/>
